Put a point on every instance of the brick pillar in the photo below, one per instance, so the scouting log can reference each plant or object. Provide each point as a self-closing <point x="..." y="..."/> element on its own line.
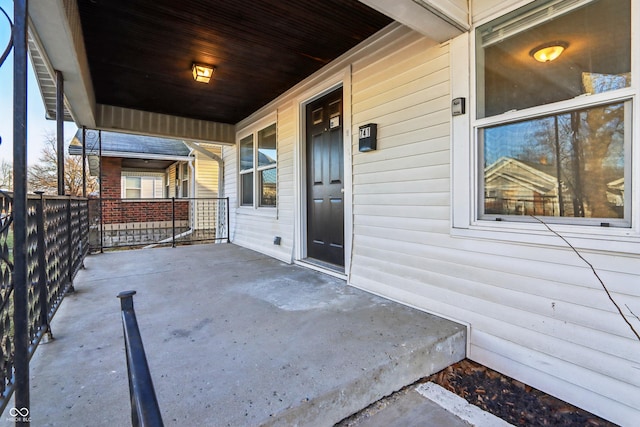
<point x="111" y="189"/>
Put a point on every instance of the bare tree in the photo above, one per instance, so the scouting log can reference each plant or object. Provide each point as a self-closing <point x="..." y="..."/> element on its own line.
<point x="43" y="176"/>
<point x="6" y="175"/>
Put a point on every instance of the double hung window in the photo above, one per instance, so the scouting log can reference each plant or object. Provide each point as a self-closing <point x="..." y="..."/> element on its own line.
<point x="183" y="173"/>
<point x="553" y="135"/>
<point x="135" y="185"/>
<point x="258" y="167"/>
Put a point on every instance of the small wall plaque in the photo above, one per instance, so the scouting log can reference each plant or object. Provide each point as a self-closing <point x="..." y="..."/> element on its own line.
<point x="457" y="107"/>
<point x="367" y="136"/>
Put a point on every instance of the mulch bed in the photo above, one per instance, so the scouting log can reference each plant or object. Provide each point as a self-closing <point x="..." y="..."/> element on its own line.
<point x="509" y="399"/>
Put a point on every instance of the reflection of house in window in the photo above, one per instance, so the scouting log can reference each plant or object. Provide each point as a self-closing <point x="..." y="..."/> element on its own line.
<point x="615" y="195"/>
<point x="513" y="187"/>
<point x="517" y="187"/>
<point x="268" y="185"/>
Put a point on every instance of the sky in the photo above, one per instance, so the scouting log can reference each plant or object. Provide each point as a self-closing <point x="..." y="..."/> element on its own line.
<point x="37" y="124"/>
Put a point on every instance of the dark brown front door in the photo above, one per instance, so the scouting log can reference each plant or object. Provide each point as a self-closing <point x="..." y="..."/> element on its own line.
<point x="325" y="177"/>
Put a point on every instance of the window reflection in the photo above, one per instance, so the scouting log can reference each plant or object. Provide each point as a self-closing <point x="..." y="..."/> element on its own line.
<point x="267" y="153"/>
<point x="565" y="165"/>
<point x="247" y="188"/>
<point x="268" y="187"/>
<point x="597" y="58"/>
<point x="246" y="153"/>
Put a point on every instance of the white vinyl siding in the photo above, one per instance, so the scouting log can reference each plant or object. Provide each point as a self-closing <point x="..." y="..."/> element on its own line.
<point x="206" y="187"/>
<point x="535" y="311"/>
<point x="207" y="177"/>
<point x="172" y="173"/>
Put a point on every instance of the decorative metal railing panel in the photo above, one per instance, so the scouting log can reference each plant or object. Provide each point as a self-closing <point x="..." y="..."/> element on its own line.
<point x="34" y="270"/>
<point x="57" y="242"/>
<point x="6" y="291"/>
<point x="118" y="222"/>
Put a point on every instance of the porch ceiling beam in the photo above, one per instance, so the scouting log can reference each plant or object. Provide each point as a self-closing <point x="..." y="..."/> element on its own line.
<point x="58" y="29"/>
<point x="194" y="146"/>
<point x="440" y="20"/>
<point x="121" y="119"/>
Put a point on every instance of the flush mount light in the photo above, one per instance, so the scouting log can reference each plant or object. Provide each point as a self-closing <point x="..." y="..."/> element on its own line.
<point x="202" y="73"/>
<point x="548" y="51"/>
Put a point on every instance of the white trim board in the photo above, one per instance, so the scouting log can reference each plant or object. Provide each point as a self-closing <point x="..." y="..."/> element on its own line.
<point x="459" y="407"/>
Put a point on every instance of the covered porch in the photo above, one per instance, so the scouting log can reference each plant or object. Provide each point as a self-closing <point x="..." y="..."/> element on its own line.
<point x="233" y="337"/>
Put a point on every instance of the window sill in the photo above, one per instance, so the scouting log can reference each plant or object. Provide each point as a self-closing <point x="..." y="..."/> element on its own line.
<point x="600" y="239"/>
<point x="157" y="200"/>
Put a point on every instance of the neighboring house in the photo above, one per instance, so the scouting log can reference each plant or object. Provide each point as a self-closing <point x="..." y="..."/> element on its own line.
<point x="512" y="187"/>
<point x="139" y="175"/>
<point x="452" y="87"/>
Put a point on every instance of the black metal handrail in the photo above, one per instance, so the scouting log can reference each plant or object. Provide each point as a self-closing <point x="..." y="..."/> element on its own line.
<point x="145" y="410"/>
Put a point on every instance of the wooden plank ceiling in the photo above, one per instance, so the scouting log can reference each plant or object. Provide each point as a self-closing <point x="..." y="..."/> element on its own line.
<point x="140" y="51"/>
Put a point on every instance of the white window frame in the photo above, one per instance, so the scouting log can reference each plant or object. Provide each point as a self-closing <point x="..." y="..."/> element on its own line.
<point x="253" y="130"/>
<point x="125" y="188"/>
<point x="142" y="176"/>
<point x="465" y="156"/>
<point x="167" y="184"/>
<point x="183" y="179"/>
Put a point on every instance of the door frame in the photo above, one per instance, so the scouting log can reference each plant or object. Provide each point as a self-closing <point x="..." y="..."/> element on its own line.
<point x="328" y="85"/>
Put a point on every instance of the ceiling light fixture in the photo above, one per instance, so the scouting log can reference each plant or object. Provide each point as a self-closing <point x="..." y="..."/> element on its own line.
<point x="202" y="73"/>
<point x="548" y="51"/>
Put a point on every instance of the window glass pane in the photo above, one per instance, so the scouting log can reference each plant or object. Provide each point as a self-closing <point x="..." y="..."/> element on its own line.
<point x="267" y="154"/>
<point x="157" y="187"/>
<point x="268" y="179"/>
<point x="185" y="188"/>
<point x="247" y="188"/>
<point x="132" y="193"/>
<point x="582" y="152"/>
<point x="132" y="182"/>
<point x="147" y="188"/>
<point x="246" y="153"/>
<point x="596" y="36"/>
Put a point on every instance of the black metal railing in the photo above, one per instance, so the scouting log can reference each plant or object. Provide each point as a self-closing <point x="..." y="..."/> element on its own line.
<point x="145" y="410"/>
<point x="57" y="242"/>
<point x="116" y="222"/>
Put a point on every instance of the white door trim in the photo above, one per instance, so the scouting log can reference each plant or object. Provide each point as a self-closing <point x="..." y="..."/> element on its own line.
<point x="333" y="82"/>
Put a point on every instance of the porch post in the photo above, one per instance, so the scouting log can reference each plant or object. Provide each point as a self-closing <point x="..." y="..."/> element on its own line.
<point x="84" y="161"/>
<point x="100" y="189"/>
<point x="60" y="130"/>
<point x="21" y="327"/>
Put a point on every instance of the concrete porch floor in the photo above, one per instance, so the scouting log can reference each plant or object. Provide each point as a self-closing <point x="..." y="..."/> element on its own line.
<point x="233" y="338"/>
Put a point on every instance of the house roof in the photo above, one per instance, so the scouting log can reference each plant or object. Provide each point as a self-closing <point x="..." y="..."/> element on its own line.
<point x="115" y="144"/>
<point x="524" y="174"/>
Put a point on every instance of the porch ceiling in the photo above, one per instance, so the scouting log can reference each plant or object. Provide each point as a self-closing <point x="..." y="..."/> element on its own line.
<point x="140" y="52"/>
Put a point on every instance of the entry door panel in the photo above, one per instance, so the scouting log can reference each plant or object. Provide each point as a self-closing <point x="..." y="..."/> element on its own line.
<point x="325" y="180"/>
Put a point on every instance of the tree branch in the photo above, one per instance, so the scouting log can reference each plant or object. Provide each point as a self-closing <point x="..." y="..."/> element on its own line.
<point x="594" y="273"/>
<point x="632" y="313"/>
